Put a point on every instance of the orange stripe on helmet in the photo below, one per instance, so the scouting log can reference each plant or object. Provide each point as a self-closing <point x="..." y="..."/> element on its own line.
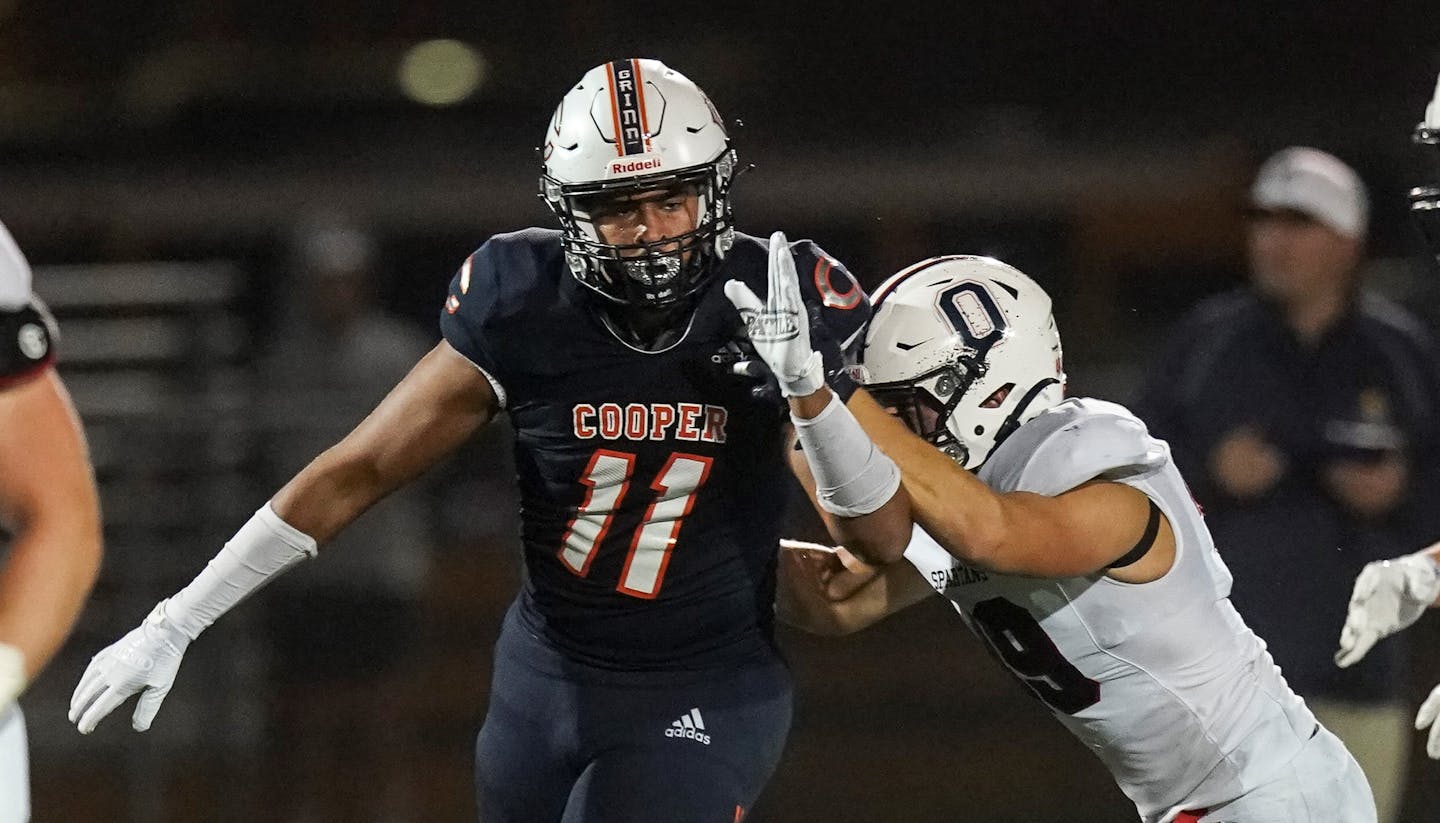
<point x="640" y="94"/>
<point x="615" y="110"/>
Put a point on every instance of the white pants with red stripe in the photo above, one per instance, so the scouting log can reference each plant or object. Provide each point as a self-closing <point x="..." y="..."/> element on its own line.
<point x="14" y="767"/>
<point x="1323" y="784"/>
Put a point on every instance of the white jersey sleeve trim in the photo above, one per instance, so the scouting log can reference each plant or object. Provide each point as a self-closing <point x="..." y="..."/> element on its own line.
<point x="14" y="274"/>
<point x="500" y="396"/>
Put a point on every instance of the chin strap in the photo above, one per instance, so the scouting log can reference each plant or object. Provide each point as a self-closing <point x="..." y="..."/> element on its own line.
<point x="1012" y="422"/>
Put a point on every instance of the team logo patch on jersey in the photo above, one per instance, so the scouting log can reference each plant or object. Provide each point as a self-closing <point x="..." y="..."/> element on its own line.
<point x="690" y="726"/>
<point x="837" y="289"/>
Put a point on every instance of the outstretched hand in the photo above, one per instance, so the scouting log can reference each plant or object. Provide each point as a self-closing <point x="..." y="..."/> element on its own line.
<point x="144" y="661"/>
<point x="778" y="326"/>
<point x="1388" y="596"/>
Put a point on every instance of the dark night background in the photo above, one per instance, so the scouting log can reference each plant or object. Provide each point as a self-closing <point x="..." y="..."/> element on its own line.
<point x="1104" y="148"/>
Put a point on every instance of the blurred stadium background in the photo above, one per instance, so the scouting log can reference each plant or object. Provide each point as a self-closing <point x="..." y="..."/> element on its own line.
<point x="160" y="162"/>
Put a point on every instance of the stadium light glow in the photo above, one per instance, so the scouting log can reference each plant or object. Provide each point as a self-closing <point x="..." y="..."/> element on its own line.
<point x="442" y="72"/>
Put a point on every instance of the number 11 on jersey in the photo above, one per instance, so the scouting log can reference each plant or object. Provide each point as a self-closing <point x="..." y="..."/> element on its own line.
<point x="607" y="478"/>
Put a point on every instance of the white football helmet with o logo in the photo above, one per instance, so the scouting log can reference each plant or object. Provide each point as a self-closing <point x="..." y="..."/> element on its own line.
<point x="631" y="126"/>
<point x="965" y="350"/>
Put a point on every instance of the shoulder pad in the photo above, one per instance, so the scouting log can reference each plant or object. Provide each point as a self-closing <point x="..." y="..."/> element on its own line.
<point x="839" y="312"/>
<point x="495" y="284"/>
<point x="1076" y="441"/>
<point x="825" y="282"/>
<point x="14" y="274"/>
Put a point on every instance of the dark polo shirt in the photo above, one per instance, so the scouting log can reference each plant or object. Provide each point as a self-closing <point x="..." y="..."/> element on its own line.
<point x="1370" y="387"/>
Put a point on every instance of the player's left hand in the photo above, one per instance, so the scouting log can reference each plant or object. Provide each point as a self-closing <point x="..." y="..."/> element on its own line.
<point x="779" y="326"/>
<point x="1429" y="710"/>
<point x="1388" y="596"/>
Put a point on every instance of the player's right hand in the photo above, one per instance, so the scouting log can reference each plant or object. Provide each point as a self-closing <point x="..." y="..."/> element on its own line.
<point x="144" y="661"/>
<point x="1388" y="596"/>
<point x="779" y="325"/>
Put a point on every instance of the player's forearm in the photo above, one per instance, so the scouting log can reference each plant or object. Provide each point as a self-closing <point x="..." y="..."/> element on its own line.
<point x="52" y="565"/>
<point x="49" y="504"/>
<point x="879" y="537"/>
<point x="950" y="503"/>
<point x="332" y="492"/>
<point x="856" y="485"/>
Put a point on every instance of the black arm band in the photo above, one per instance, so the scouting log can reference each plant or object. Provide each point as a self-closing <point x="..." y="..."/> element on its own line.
<point x="1152" y="529"/>
<point x="27" y="341"/>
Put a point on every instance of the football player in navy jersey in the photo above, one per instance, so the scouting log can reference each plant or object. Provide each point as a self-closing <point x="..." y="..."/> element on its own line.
<point x="636" y="676"/>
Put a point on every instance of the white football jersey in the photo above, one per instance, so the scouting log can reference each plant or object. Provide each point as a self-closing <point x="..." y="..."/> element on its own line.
<point x="1162" y="680"/>
<point x="14" y="274"/>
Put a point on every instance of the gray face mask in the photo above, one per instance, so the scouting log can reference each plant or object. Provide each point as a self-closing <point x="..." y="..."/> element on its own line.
<point x="657" y="272"/>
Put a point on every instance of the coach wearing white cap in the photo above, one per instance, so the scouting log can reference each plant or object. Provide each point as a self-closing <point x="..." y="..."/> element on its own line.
<point x="1304" y="414"/>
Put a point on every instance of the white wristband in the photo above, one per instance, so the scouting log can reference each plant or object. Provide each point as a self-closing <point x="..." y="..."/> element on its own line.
<point x="12" y="674"/>
<point x="263" y="548"/>
<point x="852" y="476"/>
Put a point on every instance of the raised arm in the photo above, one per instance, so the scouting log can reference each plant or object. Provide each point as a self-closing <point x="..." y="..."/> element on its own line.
<point x="48" y="503"/>
<point x="440" y="403"/>
<point x="855" y="486"/>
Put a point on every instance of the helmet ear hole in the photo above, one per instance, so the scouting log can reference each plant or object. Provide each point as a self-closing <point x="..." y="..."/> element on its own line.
<point x="997" y="397"/>
<point x="979" y="430"/>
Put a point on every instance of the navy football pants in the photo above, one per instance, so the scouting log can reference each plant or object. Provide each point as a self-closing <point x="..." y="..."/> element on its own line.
<point x="567" y="743"/>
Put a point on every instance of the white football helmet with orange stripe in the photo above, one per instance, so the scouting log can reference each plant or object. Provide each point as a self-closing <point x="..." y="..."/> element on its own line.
<point x="965" y="350"/>
<point x="634" y="126"/>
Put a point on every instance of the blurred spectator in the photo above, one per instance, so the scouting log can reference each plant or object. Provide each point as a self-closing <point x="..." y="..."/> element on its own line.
<point x="342" y="630"/>
<point x="1303" y="413"/>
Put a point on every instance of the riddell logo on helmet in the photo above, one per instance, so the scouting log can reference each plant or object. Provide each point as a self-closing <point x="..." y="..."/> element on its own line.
<point x="638" y="164"/>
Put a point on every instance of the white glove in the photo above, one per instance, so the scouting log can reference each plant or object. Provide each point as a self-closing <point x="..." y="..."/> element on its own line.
<point x="778" y="327"/>
<point x="1432" y="111"/>
<point x="145" y="661"/>
<point x="1426" y="717"/>
<point x="1388" y="596"/>
<point x="12" y="674"/>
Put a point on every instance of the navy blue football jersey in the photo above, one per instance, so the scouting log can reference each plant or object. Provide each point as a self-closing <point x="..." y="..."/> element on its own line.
<point x="652" y="484"/>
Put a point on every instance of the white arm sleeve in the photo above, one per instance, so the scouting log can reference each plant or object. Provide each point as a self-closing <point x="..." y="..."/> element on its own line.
<point x="263" y="548"/>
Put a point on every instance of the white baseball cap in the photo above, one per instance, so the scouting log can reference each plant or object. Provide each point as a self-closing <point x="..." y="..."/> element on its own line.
<point x="1315" y="183"/>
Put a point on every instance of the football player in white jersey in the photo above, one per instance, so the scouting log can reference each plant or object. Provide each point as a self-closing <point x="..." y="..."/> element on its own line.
<point x="48" y="508"/>
<point x="1391" y="594"/>
<point x="1065" y="537"/>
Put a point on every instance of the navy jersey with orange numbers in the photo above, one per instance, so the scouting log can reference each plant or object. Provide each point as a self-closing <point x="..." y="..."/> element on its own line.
<point x="652" y="483"/>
